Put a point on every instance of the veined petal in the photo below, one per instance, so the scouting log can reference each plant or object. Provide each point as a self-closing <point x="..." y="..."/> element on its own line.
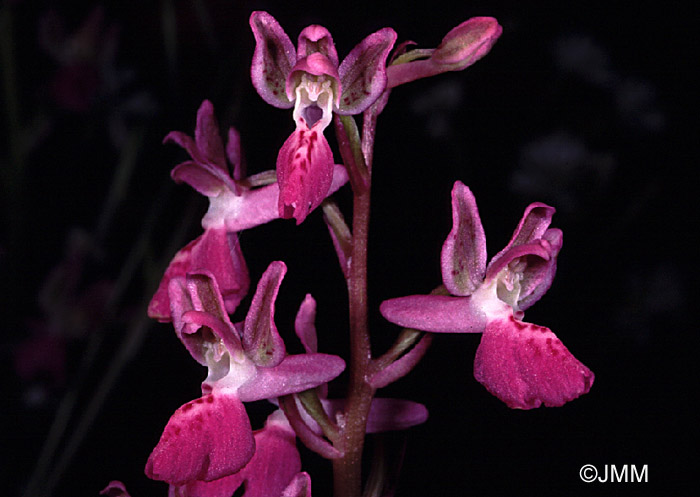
<point x="261" y="341"/>
<point x="436" y="313"/>
<point x="526" y="365"/>
<point x="205" y="439"/>
<point x="214" y="251"/>
<point x="295" y="373"/>
<point x="273" y="59"/>
<point x="463" y="257"/>
<point x="363" y="72"/>
<point x="317" y="39"/>
<point x="304" y="173"/>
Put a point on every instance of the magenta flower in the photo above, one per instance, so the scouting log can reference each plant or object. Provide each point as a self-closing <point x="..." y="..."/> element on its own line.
<point x="211" y="437"/>
<point x="311" y="80"/>
<point x="522" y="364"/>
<point x="235" y="203"/>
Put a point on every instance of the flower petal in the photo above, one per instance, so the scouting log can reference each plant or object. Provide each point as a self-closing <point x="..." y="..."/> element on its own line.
<point x="526" y="365"/>
<point x="535" y="264"/>
<point x="199" y="178"/>
<point x="436" y="313"/>
<point x="273" y="59"/>
<point x="363" y="72"/>
<point x="208" y="139"/>
<point x="463" y="257"/>
<point x="533" y="225"/>
<point x="304" y="173"/>
<point x="207" y="172"/>
<point x="261" y="341"/>
<point x="205" y="439"/>
<point x="196" y="303"/>
<point x="295" y="373"/>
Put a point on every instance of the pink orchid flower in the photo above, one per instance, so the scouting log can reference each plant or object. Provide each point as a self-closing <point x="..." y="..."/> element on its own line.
<point x="311" y="80"/>
<point x="522" y="364"/>
<point x="236" y="203"/>
<point x="211" y="437"/>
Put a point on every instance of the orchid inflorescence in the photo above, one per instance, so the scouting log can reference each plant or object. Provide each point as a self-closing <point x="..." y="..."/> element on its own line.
<point x="208" y="447"/>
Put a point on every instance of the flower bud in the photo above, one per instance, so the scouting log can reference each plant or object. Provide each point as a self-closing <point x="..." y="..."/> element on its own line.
<point x="467" y="43"/>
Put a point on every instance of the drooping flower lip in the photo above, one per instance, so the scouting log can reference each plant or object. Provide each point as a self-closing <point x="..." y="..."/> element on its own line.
<point x="526" y="365"/>
<point x="205" y="439"/>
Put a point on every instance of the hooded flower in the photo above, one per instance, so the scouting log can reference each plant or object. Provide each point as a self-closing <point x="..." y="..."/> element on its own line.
<point x="311" y="80"/>
<point x="236" y="203"/>
<point x="522" y="364"/>
<point x="211" y="437"/>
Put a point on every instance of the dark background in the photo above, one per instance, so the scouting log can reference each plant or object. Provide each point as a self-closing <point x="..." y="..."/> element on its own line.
<point x="583" y="105"/>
